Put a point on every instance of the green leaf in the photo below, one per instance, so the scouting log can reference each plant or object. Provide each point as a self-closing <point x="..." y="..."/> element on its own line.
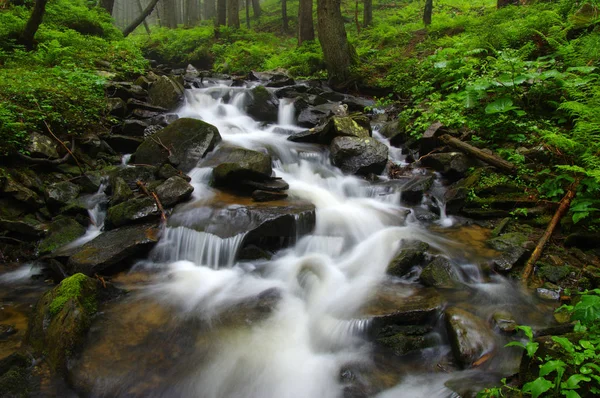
<point x="538" y="387"/>
<point x="501" y="105"/>
<point x="565" y="343"/>
<point x="572" y="382"/>
<point x="515" y="344"/>
<point x="570" y="394"/>
<point x="527" y="330"/>
<point x="552" y="366"/>
<point x="531" y="349"/>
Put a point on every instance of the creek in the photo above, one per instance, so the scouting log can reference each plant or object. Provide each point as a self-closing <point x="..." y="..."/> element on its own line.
<point x="201" y="322"/>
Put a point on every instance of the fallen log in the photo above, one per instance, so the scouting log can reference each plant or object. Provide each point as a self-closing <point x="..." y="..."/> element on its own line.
<point x="565" y="203"/>
<point x="493" y="160"/>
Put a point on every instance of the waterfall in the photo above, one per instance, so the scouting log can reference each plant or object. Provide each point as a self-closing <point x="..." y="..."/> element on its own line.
<point x="285" y="115"/>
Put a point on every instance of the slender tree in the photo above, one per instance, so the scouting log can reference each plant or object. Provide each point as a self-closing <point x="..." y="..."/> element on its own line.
<point x="141" y="11"/>
<point x="368" y="13"/>
<point x="108" y="5"/>
<point x="209" y="9"/>
<point x="248" y="13"/>
<point x="221" y="13"/>
<point x="33" y="23"/>
<point x="256" y="11"/>
<point x="233" y="13"/>
<point x="306" y="28"/>
<point x="284" y="16"/>
<point x="334" y="42"/>
<point x="141" y="18"/>
<point x="427" y="12"/>
<point x="169" y="13"/>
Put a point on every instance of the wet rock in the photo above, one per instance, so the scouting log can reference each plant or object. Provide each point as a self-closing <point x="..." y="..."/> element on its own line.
<point x="151" y="130"/>
<point x="120" y="191"/>
<point x="144" y="82"/>
<point x="504" y="321"/>
<point x="347" y="126"/>
<point x="268" y="196"/>
<point x="163" y="120"/>
<point x="452" y="165"/>
<point x="471" y="385"/>
<point x="414" y="188"/>
<point x="262" y="105"/>
<point x="252" y="253"/>
<point x="131" y="175"/>
<point x="397" y="305"/>
<point x="412" y="254"/>
<point x="470" y="337"/>
<point x="134" y="210"/>
<point x="133" y="103"/>
<point x="133" y="128"/>
<point x="144" y="114"/>
<point x="271" y="185"/>
<point x="291" y="91"/>
<point x="583" y="240"/>
<point x="125" y="90"/>
<point x="61" y="193"/>
<point x="231" y="165"/>
<point x="401" y="344"/>
<point x="394" y="133"/>
<point x="547" y="294"/>
<point x="116" y="107"/>
<point x="512" y="245"/>
<point x="173" y="191"/>
<point x="112" y="251"/>
<point x="440" y="273"/>
<point x="167" y="171"/>
<point x="359" y="155"/>
<point x="183" y="143"/>
<point x="63" y="230"/>
<point x="166" y="93"/>
<point x="41" y="146"/>
<point x="61" y="319"/>
<point x="554" y="273"/>
<point x="357" y="104"/>
<point x="27" y="227"/>
<point x="310" y="116"/>
<point x="123" y="143"/>
<point x="308" y="136"/>
<point x="13" y="189"/>
<point x="191" y="73"/>
<point x="15" y="375"/>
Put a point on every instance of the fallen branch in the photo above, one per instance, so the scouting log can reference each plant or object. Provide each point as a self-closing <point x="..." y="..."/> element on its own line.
<point x="157" y="141"/>
<point x="565" y="203"/>
<point x="493" y="160"/>
<point x="47" y="162"/>
<point x="153" y="195"/>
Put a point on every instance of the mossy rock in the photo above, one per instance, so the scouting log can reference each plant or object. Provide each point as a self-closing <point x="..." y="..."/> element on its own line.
<point x="411" y="255"/>
<point x="121" y="191"/>
<point x="401" y="344"/>
<point x="166" y="92"/>
<point x="233" y="164"/>
<point x="61" y="318"/>
<point x="132" y="211"/>
<point x="469" y="336"/>
<point x="262" y="105"/>
<point x="61" y="193"/>
<point x="62" y="231"/>
<point x="182" y="143"/>
<point x="554" y="273"/>
<point x="440" y="273"/>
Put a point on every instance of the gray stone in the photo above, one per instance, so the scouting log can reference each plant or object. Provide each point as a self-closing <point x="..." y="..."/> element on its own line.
<point x="41" y="146"/>
<point x="440" y="273"/>
<point x="131" y="175"/>
<point x="262" y="104"/>
<point x="131" y="211"/>
<point x="231" y="165"/>
<point x="452" y="165"/>
<point x="504" y="321"/>
<point x="268" y="196"/>
<point x="513" y="250"/>
<point x="173" y="191"/>
<point x="412" y="254"/>
<point x="62" y="231"/>
<point x="470" y="337"/>
<point x="121" y="191"/>
<point x="359" y="155"/>
<point x="61" y="193"/>
<point x="166" y="93"/>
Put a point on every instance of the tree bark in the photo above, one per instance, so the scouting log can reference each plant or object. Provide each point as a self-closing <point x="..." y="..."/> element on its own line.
<point x="368" y="13"/>
<point x="248" y="13"/>
<point x="108" y="5"/>
<point x="169" y="13"/>
<point x="221" y="13"/>
<point x="427" y="12"/>
<point x="334" y="42"/>
<point x="141" y="11"/>
<point x="233" y="13"/>
<point x="141" y="18"/>
<point x="191" y="12"/>
<point x="504" y="3"/>
<point x="284" y="16"/>
<point x="256" y="11"/>
<point x="493" y="160"/>
<point x="33" y="23"/>
<point x="306" y="27"/>
<point x="209" y="9"/>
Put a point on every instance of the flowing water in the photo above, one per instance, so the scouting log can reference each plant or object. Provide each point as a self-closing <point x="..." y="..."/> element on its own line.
<point x="203" y="324"/>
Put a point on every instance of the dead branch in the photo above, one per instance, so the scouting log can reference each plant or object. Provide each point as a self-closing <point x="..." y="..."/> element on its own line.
<point x="47" y="162"/>
<point x="493" y="160"/>
<point x="153" y="195"/>
<point x="157" y="141"/>
<point x="565" y="203"/>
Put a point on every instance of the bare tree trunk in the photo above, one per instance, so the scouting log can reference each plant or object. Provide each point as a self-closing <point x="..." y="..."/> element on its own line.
<point x="233" y="13"/>
<point x="108" y="5"/>
<point x="169" y="13"/>
<point x="284" y="16"/>
<point x="248" y="13"/>
<point x="306" y="28"/>
<point x="504" y="3"/>
<point x="334" y="42"/>
<point x="368" y="13"/>
<point x="209" y="9"/>
<point x="256" y="11"/>
<point x="427" y="12"/>
<point x="221" y="12"/>
<point x="136" y="22"/>
<point x="33" y="23"/>
<point x="191" y="12"/>
<point x="141" y="11"/>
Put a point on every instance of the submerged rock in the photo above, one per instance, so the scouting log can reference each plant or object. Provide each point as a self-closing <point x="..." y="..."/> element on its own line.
<point x="262" y="104"/>
<point x="268" y="196"/>
<point x="470" y="337"/>
<point x="61" y="319"/>
<point x="182" y="143"/>
<point x="359" y="155"/>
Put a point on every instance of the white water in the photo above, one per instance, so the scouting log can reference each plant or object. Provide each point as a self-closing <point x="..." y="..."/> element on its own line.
<point x="96" y="205"/>
<point x="323" y="280"/>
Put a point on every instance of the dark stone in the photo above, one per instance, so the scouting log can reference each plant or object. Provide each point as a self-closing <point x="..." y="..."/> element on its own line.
<point x="112" y="251"/>
<point x="554" y="273"/>
<point x="504" y="321"/>
<point x="133" y="128"/>
<point x="121" y="192"/>
<point x="125" y="90"/>
<point x="231" y="165"/>
<point x="166" y="93"/>
<point x="63" y="230"/>
<point x="412" y="254"/>
<point x="268" y="196"/>
<point x="271" y="185"/>
<point x="513" y="252"/>
<point x="167" y="171"/>
<point x="252" y="253"/>
<point x="13" y="189"/>
<point x="583" y="240"/>
<point x="359" y="155"/>
<point x="414" y="188"/>
<point x="164" y="120"/>
<point x="116" y="107"/>
<point x="15" y="375"/>
<point x="291" y="91"/>
<point x="187" y="140"/>
<point x="144" y="114"/>
<point x="131" y="175"/>
<point x="470" y="337"/>
<point x="173" y="191"/>
<point x="452" y="165"/>
<point x="262" y="105"/>
<point x="396" y="135"/>
<point x="131" y="211"/>
<point x="133" y="103"/>
<point x="440" y="273"/>
<point x="61" y="193"/>
<point x="357" y="104"/>
<point x="310" y="116"/>
<point x="123" y="143"/>
<point x="401" y="344"/>
<point x="27" y="227"/>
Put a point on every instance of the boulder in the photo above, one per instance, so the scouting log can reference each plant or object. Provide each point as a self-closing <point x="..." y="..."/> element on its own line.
<point x="116" y="107"/>
<point x="452" y="165"/>
<point x="231" y="165"/>
<point x="11" y="188"/>
<point x="133" y="103"/>
<point x="440" y="273"/>
<point x="63" y="230"/>
<point x="41" y="146"/>
<point x="308" y="115"/>
<point x="268" y="196"/>
<point x="357" y="104"/>
<point x="183" y="143"/>
<point x="514" y="250"/>
<point x="112" y="251"/>
<point x="131" y="211"/>
<point x="173" y="191"/>
<point x="61" y="319"/>
<point x="504" y="321"/>
<point x="167" y="171"/>
<point x="262" y="104"/>
<point x="121" y="192"/>
<point x="412" y="254"/>
<point x="61" y="193"/>
<point x="291" y="91"/>
<point x="470" y="337"/>
<point x="166" y="93"/>
<point x="15" y="375"/>
<point x="359" y="155"/>
<point x="123" y="143"/>
<point x="414" y="188"/>
<point x="401" y="344"/>
<point x="28" y="226"/>
<point x="125" y="90"/>
<point x="131" y="175"/>
<point x="133" y="128"/>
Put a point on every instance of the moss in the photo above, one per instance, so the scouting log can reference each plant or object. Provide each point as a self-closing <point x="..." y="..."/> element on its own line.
<point x="14" y="382"/>
<point x="62" y="231"/>
<point x="72" y="288"/>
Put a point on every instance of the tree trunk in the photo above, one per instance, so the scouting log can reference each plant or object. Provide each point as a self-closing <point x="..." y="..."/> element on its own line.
<point x="334" y="42"/>
<point x="108" y="5"/>
<point x="248" y="13"/>
<point x="34" y="22"/>
<point x="504" y="3"/>
<point x="233" y="13"/>
<point x="428" y="11"/>
<point x="368" y="13"/>
<point x="141" y="18"/>
<point x="284" y="16"/>
<point x="306" y="28"/>
<point x="169" y="13"/>
<point x="221" y="13"/>
<point x="256" y="8"/>
<point x="209" y="9"/>
<point x="141" y="11"/>
<point x="191" y="12"/>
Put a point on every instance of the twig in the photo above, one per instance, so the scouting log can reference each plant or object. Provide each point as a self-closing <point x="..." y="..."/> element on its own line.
<point x="163" y="214"/>
<point x="159" y="142"/>
<point x="101" y="279"/>
<point x="47" y="162"/>
<point x="12" y="239"/>
<point x="562" y="209"/>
